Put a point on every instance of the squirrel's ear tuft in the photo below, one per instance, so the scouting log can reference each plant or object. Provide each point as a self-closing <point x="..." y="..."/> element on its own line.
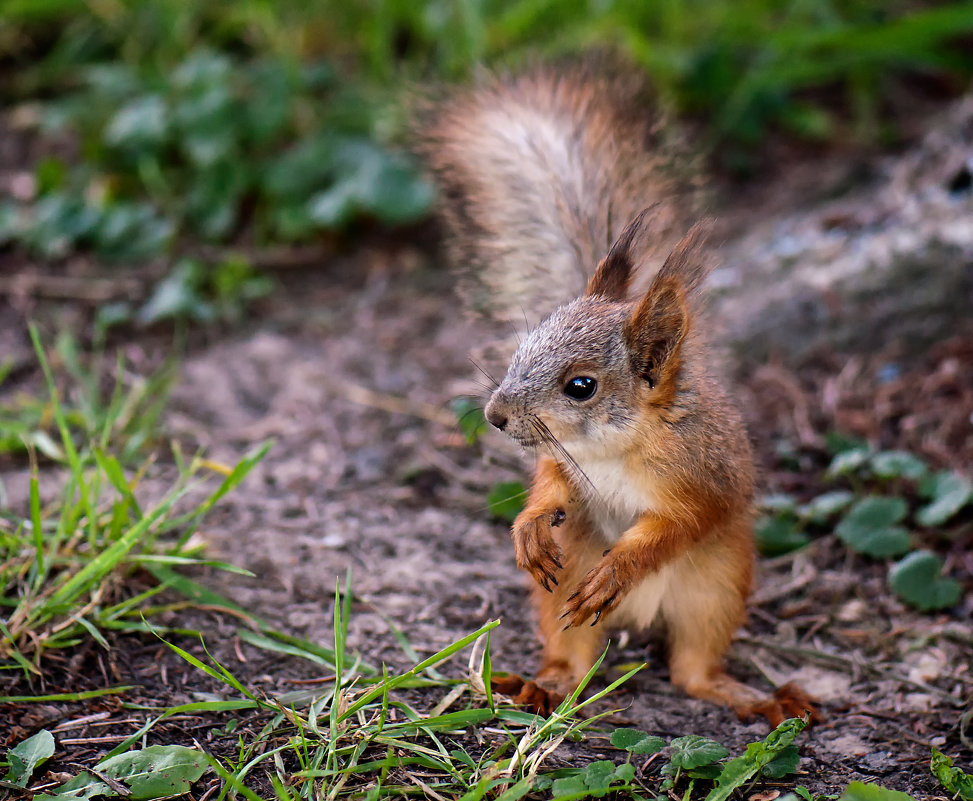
<point x="614" y="272"/>
<point x="655" y="331"/>
<point x="689" y="262"/>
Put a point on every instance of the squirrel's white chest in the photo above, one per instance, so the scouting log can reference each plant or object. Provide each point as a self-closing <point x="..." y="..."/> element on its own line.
<point x="614" y="500"/>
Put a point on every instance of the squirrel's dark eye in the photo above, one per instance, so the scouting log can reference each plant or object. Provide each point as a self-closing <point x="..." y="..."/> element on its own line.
<point x="581" y="388"/>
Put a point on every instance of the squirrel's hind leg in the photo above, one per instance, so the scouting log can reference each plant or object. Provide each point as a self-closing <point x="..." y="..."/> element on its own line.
<point x="569" y="652"/>
<point x="568" y="655"/>
<point x="701" y="620"/>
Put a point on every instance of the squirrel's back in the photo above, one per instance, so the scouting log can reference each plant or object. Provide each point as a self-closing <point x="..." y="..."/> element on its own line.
<point x="540" y="173"/>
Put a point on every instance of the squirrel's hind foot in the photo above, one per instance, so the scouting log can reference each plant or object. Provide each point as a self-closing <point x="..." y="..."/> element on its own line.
<point x="788" y="701"/>
<point x="527" y="693"/>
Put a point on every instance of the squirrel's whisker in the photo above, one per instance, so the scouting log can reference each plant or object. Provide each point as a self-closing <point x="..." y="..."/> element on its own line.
<point x="489" y="377"/>
<point x="523" y="311"/>
<point x="540" y="427"/>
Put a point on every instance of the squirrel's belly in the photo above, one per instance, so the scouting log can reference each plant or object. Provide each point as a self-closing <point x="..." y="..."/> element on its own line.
<point x="641" y="604"/>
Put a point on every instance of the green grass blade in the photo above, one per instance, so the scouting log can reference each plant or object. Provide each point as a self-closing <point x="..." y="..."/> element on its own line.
<point x="435" y="659"/>
<point x="83" y="696"/>
<point x="35" y="518"/>
<point x="108" y="559"/>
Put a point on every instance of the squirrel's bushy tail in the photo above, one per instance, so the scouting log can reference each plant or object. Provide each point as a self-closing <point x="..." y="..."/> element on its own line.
<point x="539" y="174"/>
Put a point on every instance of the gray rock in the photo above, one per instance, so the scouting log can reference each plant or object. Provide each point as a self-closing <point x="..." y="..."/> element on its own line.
<point x="894" y="260"/>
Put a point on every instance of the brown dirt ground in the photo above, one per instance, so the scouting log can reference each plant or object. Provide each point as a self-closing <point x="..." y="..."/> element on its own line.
<point x="398" y="498"/>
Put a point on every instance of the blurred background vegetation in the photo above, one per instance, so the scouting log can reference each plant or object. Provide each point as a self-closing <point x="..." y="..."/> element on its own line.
<point x="194" y="134"/>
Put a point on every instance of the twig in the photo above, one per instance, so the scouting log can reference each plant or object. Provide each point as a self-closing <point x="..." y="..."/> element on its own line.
<point x="272" y="258"/>
<point x="109" y="738"/>
<point x="396" y="405"/>
<point x="845" y="661"/>
<point x="63" y="287"/>
<point x="77" y="723"/>
<point x="115" y="785"/>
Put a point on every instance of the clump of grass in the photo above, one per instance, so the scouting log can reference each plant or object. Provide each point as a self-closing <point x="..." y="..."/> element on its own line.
<point x="359" y="735"/>
<point x="65" y="564"/>
<point x="119" y="416"/>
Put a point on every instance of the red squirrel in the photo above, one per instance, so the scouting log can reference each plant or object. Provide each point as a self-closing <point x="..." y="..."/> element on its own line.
<point x="641" y="505"/>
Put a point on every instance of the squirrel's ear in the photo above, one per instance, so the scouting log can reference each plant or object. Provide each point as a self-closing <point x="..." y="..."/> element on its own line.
<point x="614" y="272"/>
<point x="655" y="331"/>
<point x="659" y="324"/>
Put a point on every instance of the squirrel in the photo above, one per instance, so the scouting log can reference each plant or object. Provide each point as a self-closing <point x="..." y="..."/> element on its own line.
<point x="641" y="504"/>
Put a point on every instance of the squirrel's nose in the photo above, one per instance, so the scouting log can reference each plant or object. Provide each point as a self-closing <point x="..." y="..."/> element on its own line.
<point x="496" y="418"/>
<point x="494" y="412"/>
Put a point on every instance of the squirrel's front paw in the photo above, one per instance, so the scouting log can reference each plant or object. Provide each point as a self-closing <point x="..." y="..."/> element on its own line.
<point x="536" y="550"/>
<point x="598" y="594"/>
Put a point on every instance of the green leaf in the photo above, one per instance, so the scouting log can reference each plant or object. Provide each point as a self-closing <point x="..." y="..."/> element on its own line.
<point x="335" y="207"/>
<point x="779" y="535"/>
<point x="213" y="202"/>
<point x="777" y="503"/>
<point x="841" y="443"/>
<point x="784" y="764"/>
<point x="848" y="462"/>
<point x="57" y="223"/>
<point x="857" y="791"/>
<point x="869" y="527"/>
<point x="957" y="783"/>
<point x="157" y="771"/>
<point x="759" y="755"/>
<point x="625" y="772"/>
<point x="50" y="174"/>
<point x="178" y="295"/>
<point x="950" y="492"/>
<point x="636" y="742"/>
<point x="569" y="785"/>
<point x="372" y="182"/>
<point x="506" y="499"/>
<point x="131" y="231"/>
<point x="809" y="121"/>
<point x="302" y="170"/>
<point x="710" y="772"/>
<point x="399" y="195"/>
<point x="11" y="222"/>
<point x="24" y="757"/>
<point x="598" y="775"/>
<point x="140" y="124"/>
<point x="898" y="464"/>
<point x="80" y="788"/>
<point x="918" y="580"/>
<point x="694" y="751"/>
<point x="469" y="417"/>
<point x="822" y="508"/>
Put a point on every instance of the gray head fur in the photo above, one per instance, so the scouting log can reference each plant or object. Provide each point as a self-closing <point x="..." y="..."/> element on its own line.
<point x="584" y="338"/>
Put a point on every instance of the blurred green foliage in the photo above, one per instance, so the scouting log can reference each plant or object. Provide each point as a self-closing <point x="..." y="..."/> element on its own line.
<point x="269" y="121"/>
<point x="743" y="64"/>
<point x="872" y="517"/>
<point x="216" y="146"/>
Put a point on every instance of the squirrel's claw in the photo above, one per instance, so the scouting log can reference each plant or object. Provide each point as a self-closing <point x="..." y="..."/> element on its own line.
<point x="598" y="595"/>
<point x="536" y="550"/>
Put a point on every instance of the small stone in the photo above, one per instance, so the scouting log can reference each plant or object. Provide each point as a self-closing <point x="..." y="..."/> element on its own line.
<point x="878" y="763"/>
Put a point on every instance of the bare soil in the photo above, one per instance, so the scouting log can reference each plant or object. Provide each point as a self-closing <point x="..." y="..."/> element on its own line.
<point x="349" y="368"/>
